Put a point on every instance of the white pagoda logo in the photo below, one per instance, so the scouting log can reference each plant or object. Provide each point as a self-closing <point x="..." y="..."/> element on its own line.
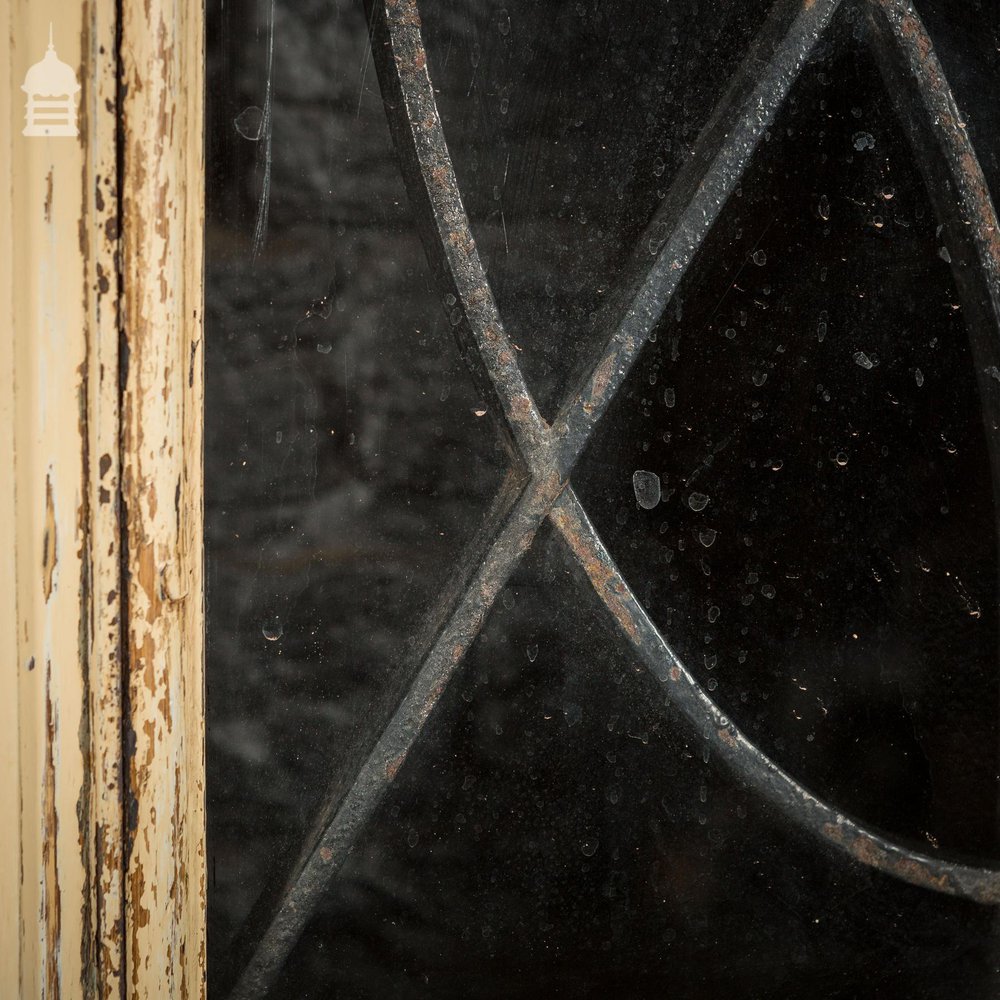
<point x="51" y="88"/>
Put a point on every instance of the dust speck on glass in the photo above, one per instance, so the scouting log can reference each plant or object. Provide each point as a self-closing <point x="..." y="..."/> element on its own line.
<point x="602" y="499"/>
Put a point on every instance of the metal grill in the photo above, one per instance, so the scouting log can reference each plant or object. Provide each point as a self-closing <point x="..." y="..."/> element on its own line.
<point x="544" y="454"/>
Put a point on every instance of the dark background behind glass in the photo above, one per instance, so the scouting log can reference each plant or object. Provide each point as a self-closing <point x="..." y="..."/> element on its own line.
<point x="560" y="831"/>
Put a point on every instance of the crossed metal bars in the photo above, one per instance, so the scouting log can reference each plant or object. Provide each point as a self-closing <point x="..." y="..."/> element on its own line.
<point x="544" y="455"/>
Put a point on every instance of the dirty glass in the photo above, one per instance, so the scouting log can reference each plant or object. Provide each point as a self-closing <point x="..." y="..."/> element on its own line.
<point x="601" y="498"/>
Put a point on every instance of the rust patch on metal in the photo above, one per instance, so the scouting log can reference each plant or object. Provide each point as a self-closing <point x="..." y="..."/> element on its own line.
<point x="918" y="874"/>
<point x="393" y="766"/>
<point x="864" y="849"/>
<point x="403" y="13"/>
<point x="603" y="577"/>
<point x="601" y="379"/>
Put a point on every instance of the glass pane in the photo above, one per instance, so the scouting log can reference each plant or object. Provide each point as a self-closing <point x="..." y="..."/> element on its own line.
<point x="563" y="832"/>
<point x="966" y="37"/>
<point x="474" y="689"/>
<point x="567" y="124"/>
<point x="824" y="552"/>
<point x="348" y="462"/>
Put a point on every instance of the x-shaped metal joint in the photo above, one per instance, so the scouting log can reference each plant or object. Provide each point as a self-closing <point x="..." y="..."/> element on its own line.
<point x="544" y="455"/>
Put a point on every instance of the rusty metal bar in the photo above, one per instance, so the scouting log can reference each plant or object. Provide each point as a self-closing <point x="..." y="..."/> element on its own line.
<point x="336" y="833"/>
<point x="425" y="162"/>
<point x="743" y="757"/>
<point x="672" y="241"/>
<point x="958" y="190"/>
<point x="426" y="165"/>
<point x="694" y="202"/>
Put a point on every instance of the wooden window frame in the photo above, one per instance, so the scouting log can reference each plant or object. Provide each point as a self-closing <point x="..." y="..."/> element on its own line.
<point x="102" y="760"/>
<point x="102" y="859"/>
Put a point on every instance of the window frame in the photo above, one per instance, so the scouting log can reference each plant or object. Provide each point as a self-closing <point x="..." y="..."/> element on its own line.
<point x="101" y="599"/>
<point x="102" y="745"/>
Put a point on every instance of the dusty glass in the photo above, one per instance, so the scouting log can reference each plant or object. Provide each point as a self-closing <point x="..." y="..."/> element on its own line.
<point x="602" y="524"/>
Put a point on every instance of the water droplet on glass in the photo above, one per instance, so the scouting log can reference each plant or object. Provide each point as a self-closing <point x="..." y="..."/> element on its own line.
<point x="918" y="376"/>
<point x="768" y="591"/>
<point x="863" y="141"/>
<point x="249" y="123"/>
<point x="588" y="847"/>
<point x="324" y="348"/>
<point x="669" y="397"/>
<point x="647" y="488"/>
<point x="759" y="258"/>
<point x="532" y="653"/>
<point x="862" y="360"/>
<point x="713" y="614"/>
<point x="272" y="630"/>
<point x="697" y="502"/>
<point x="707" y="537"/>
<point x="412" y="837"/>
<point x="824" y="208"/>
<point x="944" y="255"/>
<point x="759" y="378"/>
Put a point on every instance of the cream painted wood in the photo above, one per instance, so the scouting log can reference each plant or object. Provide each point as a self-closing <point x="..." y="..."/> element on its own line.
<point x="55" y="543"/>
<point x="102" y="863"/>
<point x="162" y="235"/>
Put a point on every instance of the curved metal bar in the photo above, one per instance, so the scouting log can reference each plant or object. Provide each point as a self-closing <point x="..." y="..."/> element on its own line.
<point x="415" y="124"/>
<point x="933" y="119"/>
<point x="743" y="757"/>
<point x="723" y="152"/>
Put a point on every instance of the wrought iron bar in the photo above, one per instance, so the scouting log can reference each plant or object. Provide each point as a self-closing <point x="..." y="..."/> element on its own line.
<point x="401" y="63"/>
<point x="696" y="199"/>
<point x="693" y="204"/>
<point x="425" y="162"/>
<point x="742" y="756"/>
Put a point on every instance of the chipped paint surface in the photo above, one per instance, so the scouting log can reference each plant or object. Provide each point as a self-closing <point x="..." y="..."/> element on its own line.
<point x="161" y="231"/>
<point x="64" y="922"/>
<point x="53" y="549"/>
<point x="99" y="244"/>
